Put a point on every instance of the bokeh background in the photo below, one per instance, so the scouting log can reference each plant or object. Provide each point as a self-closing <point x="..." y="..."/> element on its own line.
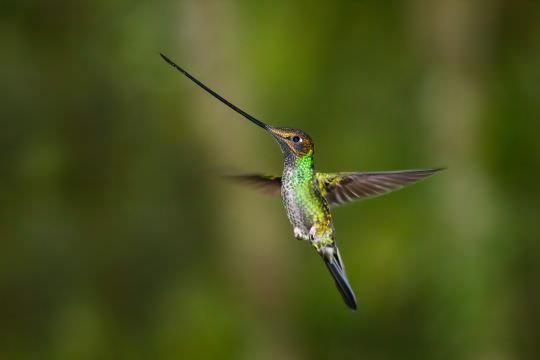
<point x="118" y="240"/>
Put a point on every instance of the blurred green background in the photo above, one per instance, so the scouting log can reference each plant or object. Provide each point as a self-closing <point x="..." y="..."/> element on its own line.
<point x="117" y="241"/>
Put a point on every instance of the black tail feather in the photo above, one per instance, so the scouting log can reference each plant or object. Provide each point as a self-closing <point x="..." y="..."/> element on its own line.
<point x="341" y="281"/>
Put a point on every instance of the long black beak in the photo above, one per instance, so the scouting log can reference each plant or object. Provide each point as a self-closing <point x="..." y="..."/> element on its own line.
<point x="217" y="96"/>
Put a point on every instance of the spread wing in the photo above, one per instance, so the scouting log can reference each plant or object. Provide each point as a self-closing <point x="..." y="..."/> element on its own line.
<point x="342" y="188"/>
<point x="268" y="184"/>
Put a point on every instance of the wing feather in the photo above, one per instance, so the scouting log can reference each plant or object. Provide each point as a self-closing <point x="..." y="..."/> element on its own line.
<point x="342" y="188"/>
<point x="267" y="184"/>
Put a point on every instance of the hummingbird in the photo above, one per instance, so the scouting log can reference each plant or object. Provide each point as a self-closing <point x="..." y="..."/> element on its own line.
<point x="308" y="195"/>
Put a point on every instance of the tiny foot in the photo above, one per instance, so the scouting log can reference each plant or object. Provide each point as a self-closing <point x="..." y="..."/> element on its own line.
<point x="298" y="233"/>
<point x="312" y="232"/>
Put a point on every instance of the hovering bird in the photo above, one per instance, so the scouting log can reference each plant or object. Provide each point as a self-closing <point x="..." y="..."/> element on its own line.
<point x="308" y="195"/>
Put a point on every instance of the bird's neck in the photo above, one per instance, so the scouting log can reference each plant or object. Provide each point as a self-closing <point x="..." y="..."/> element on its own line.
<point x="299" y="169"/>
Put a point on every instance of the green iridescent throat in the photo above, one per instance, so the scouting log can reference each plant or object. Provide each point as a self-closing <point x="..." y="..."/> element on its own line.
<point x="304" y="170"/>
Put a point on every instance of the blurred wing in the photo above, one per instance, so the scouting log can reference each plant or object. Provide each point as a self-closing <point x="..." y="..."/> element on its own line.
<point x="268" y="184"/>
<point x="342" y="188"/>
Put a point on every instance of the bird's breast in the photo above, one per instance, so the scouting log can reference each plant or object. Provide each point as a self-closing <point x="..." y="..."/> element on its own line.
<point x="306" y="208"/>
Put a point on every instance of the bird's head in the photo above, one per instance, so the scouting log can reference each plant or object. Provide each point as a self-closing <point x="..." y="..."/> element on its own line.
<point x="292" y="141"/>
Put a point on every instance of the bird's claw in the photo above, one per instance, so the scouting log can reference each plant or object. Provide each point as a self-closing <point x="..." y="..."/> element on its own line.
<point x="298" y="234"/>
<point x="312" y="233"/>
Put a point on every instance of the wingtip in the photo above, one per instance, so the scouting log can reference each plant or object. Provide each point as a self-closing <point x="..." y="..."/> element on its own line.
<point x="433" y="171"/>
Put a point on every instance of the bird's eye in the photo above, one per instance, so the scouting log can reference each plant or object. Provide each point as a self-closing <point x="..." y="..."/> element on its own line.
<point x="296" y="139"/>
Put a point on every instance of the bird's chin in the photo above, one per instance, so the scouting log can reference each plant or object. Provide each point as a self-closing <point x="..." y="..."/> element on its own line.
<point x="283" y="146"/>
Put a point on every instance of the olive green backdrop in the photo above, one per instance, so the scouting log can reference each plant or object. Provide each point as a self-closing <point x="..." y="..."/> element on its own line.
<point x="119" y="241"/>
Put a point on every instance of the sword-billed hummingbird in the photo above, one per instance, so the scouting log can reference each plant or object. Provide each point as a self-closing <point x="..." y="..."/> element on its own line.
<point x="308" y="195"/>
